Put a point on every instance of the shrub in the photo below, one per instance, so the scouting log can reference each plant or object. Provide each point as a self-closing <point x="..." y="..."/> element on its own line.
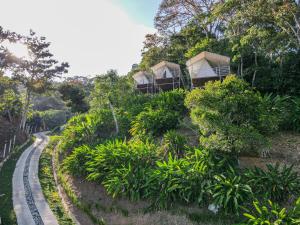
<point x="154" y="122"/>
<point x="114" y="155"/>
<point x="276" y="183"/>
<point x="169" y="101"/>
<point x="128" y="181"/>
<point x="88" y="129"/>
<point x="229" y="192"/>
<point x="185" y="180"/>
<point x="173" y="143"/>
<point x="273" y="214"/>
<point x="230" y="115"/>
<point x="175" y="180"/>
<point x="76" y="162"/>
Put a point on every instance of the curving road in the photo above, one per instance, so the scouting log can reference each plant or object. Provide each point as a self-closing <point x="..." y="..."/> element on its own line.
<point x="30" y="206"/>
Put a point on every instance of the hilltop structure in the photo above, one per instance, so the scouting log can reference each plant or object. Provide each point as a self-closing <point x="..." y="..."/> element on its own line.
<point x="144" y="82"/>
<point x="207" y="66"/>
<point x="166" y="76"/>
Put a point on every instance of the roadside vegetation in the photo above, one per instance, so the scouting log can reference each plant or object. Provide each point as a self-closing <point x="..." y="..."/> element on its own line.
<point x="48" y="184"/>
<point x="7" y="213"/>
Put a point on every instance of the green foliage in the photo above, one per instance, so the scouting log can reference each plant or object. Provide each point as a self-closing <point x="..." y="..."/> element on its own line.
<point x="276" y="183"/>
<point x="76" y="162"/>
<point x="177" y="180"/>
<point x="49" y="118"/>
<point x="10" y="99"/>
<point x="48" y="184"/>
<point x="154" y="122"/>
<point x="231" y="116"/>
<point x="161" y="113"/>
<point x="114" y="155"/>
<point x="230" y="193"/>
<point x="87" y="129"/>
<point x="273" y="214"/>
<point x="75" y="95"/>
<point x="173" y="143"/>
<point x="169" y="101"/>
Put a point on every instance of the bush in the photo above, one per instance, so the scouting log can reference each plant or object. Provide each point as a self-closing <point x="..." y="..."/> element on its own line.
<point x="231" y="116"/>
<point x="176" y="180"/>
<point x="76" y="162"/>
<point x="169" y="101"/>
<point x="173" y="143"/>
<point x="230" y="193"/>
<point x="273" y="214"/>
<point x="154" y="122"/>
<point x="276" y="183"/>
<point x="88" y="129"/>
<point x="114" y="155"/>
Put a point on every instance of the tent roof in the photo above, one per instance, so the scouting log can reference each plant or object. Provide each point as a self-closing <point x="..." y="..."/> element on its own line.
<point x="165" y="63"/>
<point x="143" y="73"/>
<point x="211" y="57"/>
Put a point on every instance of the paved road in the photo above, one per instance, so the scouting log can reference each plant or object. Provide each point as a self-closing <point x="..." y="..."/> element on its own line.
<point x="30" y="206"/>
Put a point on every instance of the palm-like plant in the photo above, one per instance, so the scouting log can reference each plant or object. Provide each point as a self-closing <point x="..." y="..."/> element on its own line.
<point x="229" y="192"/>
<point x="276" y="183"/>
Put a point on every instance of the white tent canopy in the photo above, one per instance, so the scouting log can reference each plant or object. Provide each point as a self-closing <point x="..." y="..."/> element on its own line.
<point x="207" y="64"/>
<point x="166" y="69"/>
<point x="143" y="77"/>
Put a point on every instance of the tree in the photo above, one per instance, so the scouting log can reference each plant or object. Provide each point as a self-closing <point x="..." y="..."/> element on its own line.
<point x="7" y="59"/>
<point x="10" y="100"/>
<point x="173" y="15"/>
<point x="109" y="90"/>
<point x="37" y="72"/>
<point x="256" y="28"/>
<point x="231" y="116"/>
<point x="75" y="96"/>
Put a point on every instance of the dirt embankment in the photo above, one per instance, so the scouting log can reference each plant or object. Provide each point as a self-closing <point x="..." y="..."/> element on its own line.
<point x="284" y="149"/>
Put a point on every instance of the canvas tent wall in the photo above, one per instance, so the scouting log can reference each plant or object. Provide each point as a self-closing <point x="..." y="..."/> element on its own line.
<point x="144" y="81"/>
<point x="167" y="75"/>
<point x="207" y="66"/>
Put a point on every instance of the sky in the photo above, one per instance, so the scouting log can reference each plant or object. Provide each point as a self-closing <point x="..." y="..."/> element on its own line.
<point x="93" y="36"/>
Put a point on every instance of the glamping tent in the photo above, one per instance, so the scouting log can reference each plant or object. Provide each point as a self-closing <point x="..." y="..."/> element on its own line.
<point x="167" y="75"/>
<point x="144" y="82"/>
<point x="207" y="66"/>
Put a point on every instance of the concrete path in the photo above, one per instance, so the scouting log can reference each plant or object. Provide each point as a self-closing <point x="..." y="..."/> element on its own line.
<point x="30" y="206"/>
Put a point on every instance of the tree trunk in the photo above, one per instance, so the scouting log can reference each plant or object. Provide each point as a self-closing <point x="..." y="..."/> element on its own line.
<point x="255" y="72"/>
<point x="114" y="116"/>
<point x="25" y="110"/>
<point x="9" y="115"/>
<point x="242" y="67"/>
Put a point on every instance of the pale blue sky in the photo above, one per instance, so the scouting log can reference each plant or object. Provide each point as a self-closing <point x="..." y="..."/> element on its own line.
<point x="140" y="10"/>
<point x="92" y="35"/>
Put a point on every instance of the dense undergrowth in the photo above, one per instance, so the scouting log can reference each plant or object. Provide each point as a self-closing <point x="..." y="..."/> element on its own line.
<point x="148" y="159"/>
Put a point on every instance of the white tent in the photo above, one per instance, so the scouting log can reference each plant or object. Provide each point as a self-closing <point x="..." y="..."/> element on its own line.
<point x="143" y="77"/>
<point x="207" y="66"/>
<point x="165" y="70"/>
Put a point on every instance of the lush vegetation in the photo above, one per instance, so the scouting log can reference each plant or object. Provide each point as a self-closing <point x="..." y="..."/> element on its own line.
<point x="152" y="161"/>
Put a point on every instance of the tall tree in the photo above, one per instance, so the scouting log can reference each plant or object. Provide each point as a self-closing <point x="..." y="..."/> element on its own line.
<point x="7" y="59"/>
<point x="173" y="15"/>
<point x="37" y="72"/>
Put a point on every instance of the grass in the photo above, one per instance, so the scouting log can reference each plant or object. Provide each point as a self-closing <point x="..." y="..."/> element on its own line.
<point x="72" y="195"/>
<point x="7" y="213"/>
<point x="48" y="184"/>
